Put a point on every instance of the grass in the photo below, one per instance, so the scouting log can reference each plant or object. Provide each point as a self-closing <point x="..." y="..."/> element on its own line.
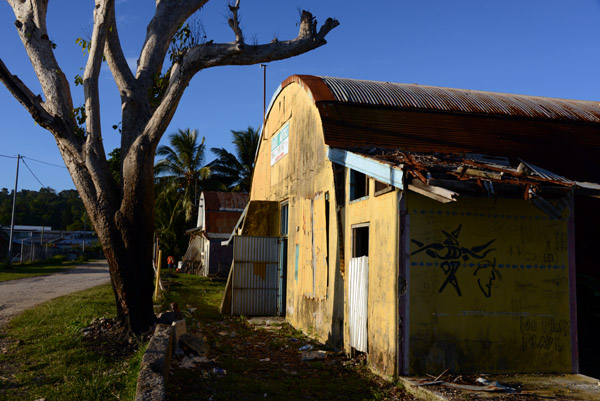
<point x="197" y="292"/>
<point x="44" y="355"/>
<point x="17" y="271"/>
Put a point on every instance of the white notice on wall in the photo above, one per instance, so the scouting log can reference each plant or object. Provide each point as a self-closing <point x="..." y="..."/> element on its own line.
<point x="279" y="144"/>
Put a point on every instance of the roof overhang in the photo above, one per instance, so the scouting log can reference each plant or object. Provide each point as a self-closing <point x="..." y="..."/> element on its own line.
<point x="380" y="170"/>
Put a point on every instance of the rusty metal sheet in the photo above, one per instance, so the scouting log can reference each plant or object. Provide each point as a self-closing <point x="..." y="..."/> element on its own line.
<point x="422" y="97"/>
<point x="225" y="201"/>
<point x="221" y="222"/>
<point x="255" y="276"/>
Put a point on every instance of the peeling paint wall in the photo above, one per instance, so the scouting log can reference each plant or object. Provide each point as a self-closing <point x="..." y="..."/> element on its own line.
<point x="489" y="287"/>
<point x="292" y="166"/>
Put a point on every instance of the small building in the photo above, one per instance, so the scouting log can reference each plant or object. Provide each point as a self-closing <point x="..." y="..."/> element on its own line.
<point x="427" y="227"/>
<point x="218" y="213"/>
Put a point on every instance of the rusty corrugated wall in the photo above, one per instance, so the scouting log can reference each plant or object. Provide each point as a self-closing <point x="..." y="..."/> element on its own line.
<point x="255" y="276"/>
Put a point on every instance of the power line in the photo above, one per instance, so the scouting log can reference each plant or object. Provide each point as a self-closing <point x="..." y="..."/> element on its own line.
<point x="9" y="157"/>
<point x="39" y="161"/>
<point x="31" y="171"/>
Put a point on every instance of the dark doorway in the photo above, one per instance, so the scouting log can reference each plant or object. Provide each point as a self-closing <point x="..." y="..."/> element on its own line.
<point x="587" y="235"/>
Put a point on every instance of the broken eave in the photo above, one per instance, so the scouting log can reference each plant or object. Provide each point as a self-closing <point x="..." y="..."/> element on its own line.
<point x="380" y="170"/>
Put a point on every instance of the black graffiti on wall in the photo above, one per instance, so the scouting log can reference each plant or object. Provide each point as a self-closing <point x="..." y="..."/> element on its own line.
<point x="452" y="255"/>
<point x="486" y="274"/>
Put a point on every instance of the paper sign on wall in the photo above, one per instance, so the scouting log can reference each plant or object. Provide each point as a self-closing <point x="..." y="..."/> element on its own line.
<point x="279" y="144"/>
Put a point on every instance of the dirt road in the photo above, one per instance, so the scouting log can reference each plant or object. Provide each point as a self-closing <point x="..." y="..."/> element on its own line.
<point x="18" y="295"/>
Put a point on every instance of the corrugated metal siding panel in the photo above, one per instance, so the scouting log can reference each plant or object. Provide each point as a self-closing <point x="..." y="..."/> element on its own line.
<point x="358" y="295"/>
<point x="430" y="98"/>
<point x="255" y="276"/>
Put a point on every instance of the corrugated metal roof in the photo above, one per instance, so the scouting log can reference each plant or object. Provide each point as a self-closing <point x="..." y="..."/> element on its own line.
<point x="563" y="135"/>
<point x="430" y="98"/>
<point x="225" y="201"/>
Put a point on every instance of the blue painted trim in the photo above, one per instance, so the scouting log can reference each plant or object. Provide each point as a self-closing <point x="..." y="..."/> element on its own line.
<point x="381" y="171"/>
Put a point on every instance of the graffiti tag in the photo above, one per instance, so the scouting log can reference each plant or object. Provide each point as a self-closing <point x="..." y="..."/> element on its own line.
<point x="452" y="254"/>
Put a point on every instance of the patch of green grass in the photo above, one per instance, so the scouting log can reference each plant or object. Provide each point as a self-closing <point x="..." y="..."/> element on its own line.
<point x="201" y="293"/>
<point x="17" y="271"/>
<point x="47" y="357"/>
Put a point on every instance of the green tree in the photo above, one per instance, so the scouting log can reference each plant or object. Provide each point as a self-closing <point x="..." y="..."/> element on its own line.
<point x="180" y="177"/>
<point x="235" y="171"/>
<point x="62" y="211"/>
<point x="181" y="172"/>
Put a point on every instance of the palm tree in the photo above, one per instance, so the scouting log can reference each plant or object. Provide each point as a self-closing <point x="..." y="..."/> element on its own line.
<point x="180" y="173"/>
<point x="235" y="171"/>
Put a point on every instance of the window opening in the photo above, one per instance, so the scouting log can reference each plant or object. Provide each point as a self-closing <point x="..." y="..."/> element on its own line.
<point x="359" y="185"/>
<point x="360" y="241"/>
<point x="283" y="229"/>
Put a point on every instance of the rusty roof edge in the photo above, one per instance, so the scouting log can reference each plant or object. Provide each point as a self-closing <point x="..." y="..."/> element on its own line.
<point x="314" y="87"/>
<point x="445" y="100"/>
<point x="427" y="98"/>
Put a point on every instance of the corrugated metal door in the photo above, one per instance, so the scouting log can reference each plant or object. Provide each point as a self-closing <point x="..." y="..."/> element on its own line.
<point x="358" y="295"/>
<point x="255" y="276"/>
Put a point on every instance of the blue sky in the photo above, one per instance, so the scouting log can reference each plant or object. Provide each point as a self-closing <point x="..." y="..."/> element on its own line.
<point x="534" y="47"/>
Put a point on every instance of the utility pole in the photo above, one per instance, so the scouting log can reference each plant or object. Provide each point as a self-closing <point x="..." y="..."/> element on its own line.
<point x="12" y="218"/>
<point x="264" y="67"/>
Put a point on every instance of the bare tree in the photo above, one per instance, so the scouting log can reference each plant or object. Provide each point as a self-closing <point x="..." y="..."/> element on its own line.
<point x="122" y="213"/>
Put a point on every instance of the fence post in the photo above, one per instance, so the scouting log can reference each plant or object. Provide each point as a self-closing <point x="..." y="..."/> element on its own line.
<point x="156" y="286"/>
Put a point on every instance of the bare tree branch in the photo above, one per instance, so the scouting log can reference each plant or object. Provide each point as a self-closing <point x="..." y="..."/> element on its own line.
<point x="116" y="60"/>
<point x="31" y="26"/>
<point x="168" y="17"/>
<point x="92" y="70"/>
<point x="94" y="153"/>
<point x="211" y="55"/>
<point x="234" y="22"/>
<point x="28" y="99"/>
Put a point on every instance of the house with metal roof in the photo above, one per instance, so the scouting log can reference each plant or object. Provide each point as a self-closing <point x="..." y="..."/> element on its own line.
<point x="218" y="213"/>
<point x="427" y="227"/>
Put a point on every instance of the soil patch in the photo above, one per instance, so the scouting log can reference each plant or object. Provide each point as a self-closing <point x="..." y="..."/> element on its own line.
<point x="273" y="363"/>
<point x="106" y="337"/>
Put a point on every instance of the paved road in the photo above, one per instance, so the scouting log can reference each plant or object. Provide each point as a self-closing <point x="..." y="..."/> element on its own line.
<point x="18" y="295"/>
